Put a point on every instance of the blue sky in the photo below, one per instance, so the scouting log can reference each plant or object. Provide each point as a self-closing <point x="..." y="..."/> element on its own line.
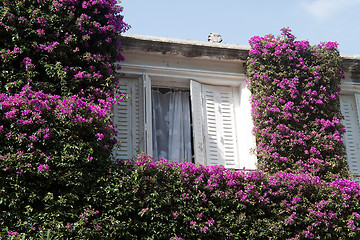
<point x="239" y="20"/>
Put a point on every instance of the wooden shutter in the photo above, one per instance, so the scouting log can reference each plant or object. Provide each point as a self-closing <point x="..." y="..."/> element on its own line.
<point x="147" y="110"/>
<point x="197" y="122"/>
<point x="349" y="107"/>
<point x="214" y="117"/>
<point x="130" y="118"/>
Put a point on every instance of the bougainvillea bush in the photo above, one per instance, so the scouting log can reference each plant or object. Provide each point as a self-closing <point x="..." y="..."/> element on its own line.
<point x="56" y="91"/>
<point x="146" y="199"/>
<point x="295" y="105"/>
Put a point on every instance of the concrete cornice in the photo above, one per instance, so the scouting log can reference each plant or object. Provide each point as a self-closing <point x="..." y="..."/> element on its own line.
<point x="186" y="48"/>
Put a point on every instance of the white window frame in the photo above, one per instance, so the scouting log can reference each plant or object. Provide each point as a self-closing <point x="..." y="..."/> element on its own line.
<point x="180" y="78"/>
<point x="350" y="95"/>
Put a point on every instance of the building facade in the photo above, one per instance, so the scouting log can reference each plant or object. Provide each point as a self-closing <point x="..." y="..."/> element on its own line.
<point x="188" y="101"/>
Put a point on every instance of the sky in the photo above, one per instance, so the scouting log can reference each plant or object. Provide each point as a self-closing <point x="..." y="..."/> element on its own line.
<point x="239" y="20"/>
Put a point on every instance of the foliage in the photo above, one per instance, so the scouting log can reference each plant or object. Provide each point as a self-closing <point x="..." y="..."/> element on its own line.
<point x="295" y="105"/>
<point x="57" y="180"/>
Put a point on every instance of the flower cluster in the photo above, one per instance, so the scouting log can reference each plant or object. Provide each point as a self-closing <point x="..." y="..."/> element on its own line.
<point x="59" y="39"/>
<point x="295" y="105"/>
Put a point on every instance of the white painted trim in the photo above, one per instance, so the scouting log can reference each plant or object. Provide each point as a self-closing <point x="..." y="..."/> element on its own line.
<point x="247" y="141"/>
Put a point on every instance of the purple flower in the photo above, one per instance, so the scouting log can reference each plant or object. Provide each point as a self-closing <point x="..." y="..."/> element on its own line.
<point x="331" y="45"/>
<point x="40" y="31"/>
<point x="43" y="167"/>
<point x="12" y="233"/>
<point x="68" y="39"/>
<point x="175" y="214"/>
<point x="41" y="20"/>
<point x="210" y="222"/>
<point x="204" y="229"/>
<point x="351" y="224"/>
<point x="21" y="19"/>
<point x="79" y="75"/>
<point x="68" y="225"/>
<point x="28" y="63"/>
<point x="85" y="4"/>
<point x="176" y="238"/>
<point x="34" y="138"/>
<point x="193" y="224"/>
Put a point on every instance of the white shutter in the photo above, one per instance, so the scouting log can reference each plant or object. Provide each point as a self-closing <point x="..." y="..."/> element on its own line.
<point x="197" y="122"/>
<point x="212" y="129"/>
<point x="129" y="119"/>
<point x="147" y="110"/>
<point x="214" y="118"/>
<point x="349" y="108"/>
<point x="357" y="100"/>
<point x="122" y="116"/>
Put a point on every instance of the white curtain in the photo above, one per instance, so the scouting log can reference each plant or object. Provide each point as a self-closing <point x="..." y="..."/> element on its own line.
<point x="171" y="126"/>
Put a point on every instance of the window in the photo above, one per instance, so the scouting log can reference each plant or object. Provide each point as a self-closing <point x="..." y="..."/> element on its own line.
<point x="220" y="122"/>
<point x="350" y="108"/>
<point x="171" y="124"/>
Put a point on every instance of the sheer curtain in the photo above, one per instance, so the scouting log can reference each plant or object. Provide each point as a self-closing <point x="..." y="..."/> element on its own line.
<point x="171" y="126"/>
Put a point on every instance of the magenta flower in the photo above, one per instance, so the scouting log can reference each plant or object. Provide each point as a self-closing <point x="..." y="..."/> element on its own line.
<point x="203" y="229"/>
<point x="40" y="31"/>
<point x="43" y="167"/>
<point x="331" y="45"/>
<point x="100" y="136"/>
<point x="193" y="224"/>
<point x="12" y="233"/>
<point x="175" y="214"/>
<point x="41" y="20"/>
